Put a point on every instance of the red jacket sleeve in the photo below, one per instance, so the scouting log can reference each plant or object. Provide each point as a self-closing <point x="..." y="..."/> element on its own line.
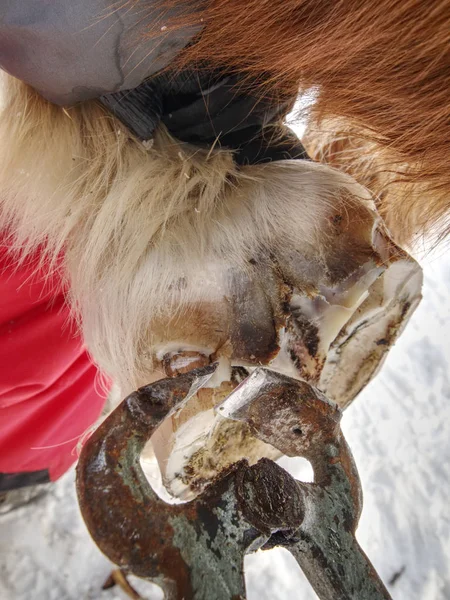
<point x="50" y="392"/>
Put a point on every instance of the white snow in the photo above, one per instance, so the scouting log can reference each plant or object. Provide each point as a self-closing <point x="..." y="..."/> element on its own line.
<point x="399" y="431"/>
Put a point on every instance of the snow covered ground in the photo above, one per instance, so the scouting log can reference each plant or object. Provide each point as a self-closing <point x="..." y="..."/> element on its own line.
<point x="399" y="431"/>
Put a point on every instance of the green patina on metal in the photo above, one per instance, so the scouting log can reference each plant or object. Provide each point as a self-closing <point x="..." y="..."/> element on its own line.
<point x="195" y="551"/>
<point x="215" y="548"/>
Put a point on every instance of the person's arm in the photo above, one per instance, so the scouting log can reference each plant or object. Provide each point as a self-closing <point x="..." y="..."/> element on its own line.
<point x="50" y="392"/>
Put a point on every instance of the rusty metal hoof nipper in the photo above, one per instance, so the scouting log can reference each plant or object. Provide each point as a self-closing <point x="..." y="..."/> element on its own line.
<point x="196" y="550"/>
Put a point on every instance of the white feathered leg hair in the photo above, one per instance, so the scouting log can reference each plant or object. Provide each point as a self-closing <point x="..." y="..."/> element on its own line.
<point x="136" y="225"/>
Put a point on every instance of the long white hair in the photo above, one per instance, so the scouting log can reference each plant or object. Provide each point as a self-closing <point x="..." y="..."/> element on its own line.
<point x="135" y="225"/>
